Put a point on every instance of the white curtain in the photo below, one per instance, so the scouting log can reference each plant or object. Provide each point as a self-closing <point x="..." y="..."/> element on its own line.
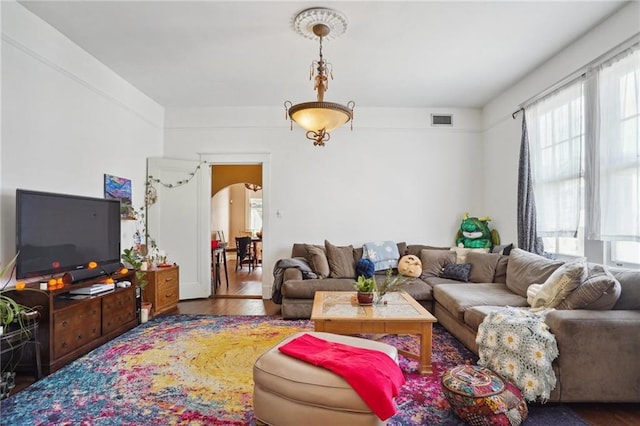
<point x="613" y="155"/>
<point x="556" y="132"/>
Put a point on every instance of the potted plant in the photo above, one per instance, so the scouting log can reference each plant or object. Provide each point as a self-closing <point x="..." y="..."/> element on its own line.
<point x="365" y="288"/>
<point x="17" y="325"/>
<point x="390" y="283"/>
<point x="135" y="258"/>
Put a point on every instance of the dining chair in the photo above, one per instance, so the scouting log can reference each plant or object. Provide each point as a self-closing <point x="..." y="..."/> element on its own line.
<point x="244" y="255"/>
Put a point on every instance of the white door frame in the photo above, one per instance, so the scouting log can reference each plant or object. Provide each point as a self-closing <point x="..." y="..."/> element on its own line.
<point x="263" y="158"/>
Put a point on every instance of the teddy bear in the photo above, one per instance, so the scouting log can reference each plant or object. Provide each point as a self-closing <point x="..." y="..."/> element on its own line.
<point x="474" y="232"/>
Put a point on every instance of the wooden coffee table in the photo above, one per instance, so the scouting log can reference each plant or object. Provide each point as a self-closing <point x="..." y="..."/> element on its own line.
<point x="338" y="312"/>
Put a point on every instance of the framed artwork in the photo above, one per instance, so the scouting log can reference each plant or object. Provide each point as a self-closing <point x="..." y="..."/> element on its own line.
<point x="119" y="188"/>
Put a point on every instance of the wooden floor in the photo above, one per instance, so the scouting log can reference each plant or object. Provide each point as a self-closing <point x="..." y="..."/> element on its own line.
<point x="243" y="297"/>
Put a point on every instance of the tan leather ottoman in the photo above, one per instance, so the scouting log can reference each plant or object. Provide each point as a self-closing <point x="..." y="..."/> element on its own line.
<point x="289" y="391"/>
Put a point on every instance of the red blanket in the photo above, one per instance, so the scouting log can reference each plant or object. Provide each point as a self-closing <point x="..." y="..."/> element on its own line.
<point x="372" y="374"/>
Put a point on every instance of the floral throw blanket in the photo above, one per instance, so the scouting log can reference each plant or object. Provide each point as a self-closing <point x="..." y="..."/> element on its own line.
<point x="517" y="344"/>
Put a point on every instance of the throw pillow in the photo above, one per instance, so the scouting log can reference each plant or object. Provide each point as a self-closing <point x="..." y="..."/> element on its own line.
<point x="365" y="268"/>
<point x="560" y="283"/>
<point x="630" y="294"/>
<point x="599" y="291"/>
<point x="461" y="252"/>
<point x="410" y="266"/>
<point x="503" y="249"/>
<point x="524" y="269"/>
<point x="457" y="271"/>
<point x="434" y="261"/>
<point x="341" y="263"/>
<point x="384" y="254"/>
<point x="500" y="275"/>
<point x="531" y="292"/>
<point x="483" y="266"/>
<point x="317" y="258"/>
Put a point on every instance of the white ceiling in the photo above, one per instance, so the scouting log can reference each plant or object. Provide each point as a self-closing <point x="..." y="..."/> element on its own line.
<point x="393" y="54"/>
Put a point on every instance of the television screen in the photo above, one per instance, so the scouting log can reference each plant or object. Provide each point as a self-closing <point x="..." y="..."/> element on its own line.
<point x="57" y="233"/>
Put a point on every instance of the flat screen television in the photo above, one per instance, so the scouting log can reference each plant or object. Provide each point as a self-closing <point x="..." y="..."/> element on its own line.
<point x="57" y="233"/>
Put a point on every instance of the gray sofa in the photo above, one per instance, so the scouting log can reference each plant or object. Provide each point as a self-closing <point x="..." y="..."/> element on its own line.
<point x="599" y="349"/>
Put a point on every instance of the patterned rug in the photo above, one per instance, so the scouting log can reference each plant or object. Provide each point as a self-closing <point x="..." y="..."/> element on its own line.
<point x="197" y="370"/>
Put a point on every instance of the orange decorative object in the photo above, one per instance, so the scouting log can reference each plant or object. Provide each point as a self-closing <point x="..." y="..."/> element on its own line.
<point x="109" y="280"/>
<point x="92" y="265"/>
<point x="52" y="282"/>
<point x="59" y="281"/>
<point x="20" y="285"/>
<point x="124" y="271"/>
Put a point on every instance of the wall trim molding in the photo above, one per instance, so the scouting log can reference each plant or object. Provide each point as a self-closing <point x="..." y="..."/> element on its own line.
<point x="79" y="80"/>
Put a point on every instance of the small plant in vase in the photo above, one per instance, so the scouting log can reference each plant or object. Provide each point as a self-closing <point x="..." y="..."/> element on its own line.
<point x="366" y="288"/>
<point x="391" y="283"/>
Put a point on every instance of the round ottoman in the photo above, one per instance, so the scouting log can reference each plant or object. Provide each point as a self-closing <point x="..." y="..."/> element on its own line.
<point x="480" y="397"/>
<point x="288" y="391"/>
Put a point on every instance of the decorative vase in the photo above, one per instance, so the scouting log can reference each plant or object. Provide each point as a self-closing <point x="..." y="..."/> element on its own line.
<point x="145" y="312"/>
<point x="380" y="299"/>
<point x="365" y="298"/>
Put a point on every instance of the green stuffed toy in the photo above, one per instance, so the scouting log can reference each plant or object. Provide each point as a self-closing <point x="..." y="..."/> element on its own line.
<point x="474" y="233"/>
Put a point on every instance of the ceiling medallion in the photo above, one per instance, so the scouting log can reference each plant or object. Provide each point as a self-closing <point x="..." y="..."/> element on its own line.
<point x="309" y="18"/>
<point x="318" y="118"/>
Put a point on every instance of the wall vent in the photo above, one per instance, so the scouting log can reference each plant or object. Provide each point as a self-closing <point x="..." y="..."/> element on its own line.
<point x="442" y="120"/>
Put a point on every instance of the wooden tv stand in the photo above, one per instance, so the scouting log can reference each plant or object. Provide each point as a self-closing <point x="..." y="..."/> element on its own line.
<point x="70" y="328"/>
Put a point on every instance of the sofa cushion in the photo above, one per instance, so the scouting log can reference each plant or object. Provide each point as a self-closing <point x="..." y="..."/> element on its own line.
<point x="341" y="261"/>
<point x="415" y="287"/>
<point x="317" y="257"/>
<point x="560" y="283"/>
<point x="299" y="250"/>
<point x="599" y="291"/>
<point x="462" y="252"/>
<point x="457" y="298"/>
<point x="416" y="249"/>
<point x="483" y="266"/>
<point x="524" y="269"/>
<point x="434" y="281"/>
<point x="457" y="271"/>
<point x="630" y="285"/>
<point x="434" y="261"/>
<point x="474" y="316"/>
<point x="306" y="289"/>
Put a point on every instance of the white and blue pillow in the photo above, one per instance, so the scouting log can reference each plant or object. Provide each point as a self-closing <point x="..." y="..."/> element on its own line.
<point x="383" y="254"/>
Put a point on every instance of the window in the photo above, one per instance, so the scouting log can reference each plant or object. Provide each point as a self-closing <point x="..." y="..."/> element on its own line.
<point x="619" y="86"/>
<point x="585" y="153"/>
<point x="255" y="214"/>
<point x="556" y="136"/>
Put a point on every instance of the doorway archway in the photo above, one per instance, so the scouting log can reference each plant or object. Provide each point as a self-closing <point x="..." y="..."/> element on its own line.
<point x="262" y="161"/>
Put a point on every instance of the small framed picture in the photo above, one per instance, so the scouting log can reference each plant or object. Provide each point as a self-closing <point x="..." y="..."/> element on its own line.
<point x="119" y="188"/>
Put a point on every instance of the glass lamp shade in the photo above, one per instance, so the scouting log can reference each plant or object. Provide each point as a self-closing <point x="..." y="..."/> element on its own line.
<point x="316" y="116"/>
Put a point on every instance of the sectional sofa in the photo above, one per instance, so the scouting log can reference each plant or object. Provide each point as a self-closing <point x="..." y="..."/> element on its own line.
<point x="597" y="329"/>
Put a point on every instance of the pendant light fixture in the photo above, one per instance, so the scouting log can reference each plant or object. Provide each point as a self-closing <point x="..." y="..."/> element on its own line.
<point x="319" y="118"/>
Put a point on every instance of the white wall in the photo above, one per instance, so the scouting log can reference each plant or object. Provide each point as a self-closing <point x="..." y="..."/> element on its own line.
<point x="501" y="133"/>
<point x="66" y="120"/>
<point x="394" y="177"/>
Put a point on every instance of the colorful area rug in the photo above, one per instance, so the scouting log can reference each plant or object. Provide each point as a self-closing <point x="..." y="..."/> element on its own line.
<point x="197" y="370"/>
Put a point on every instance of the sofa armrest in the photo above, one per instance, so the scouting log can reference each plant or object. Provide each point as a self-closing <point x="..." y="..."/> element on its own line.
<point x="292" y="274"/>
<point x="598" y="351"/>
